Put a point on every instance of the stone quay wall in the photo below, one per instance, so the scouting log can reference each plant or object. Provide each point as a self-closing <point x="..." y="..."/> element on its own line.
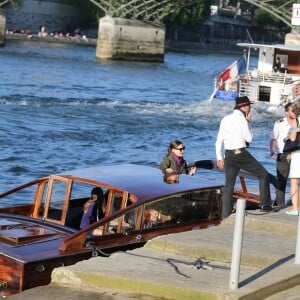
<point x="56" y="16"/>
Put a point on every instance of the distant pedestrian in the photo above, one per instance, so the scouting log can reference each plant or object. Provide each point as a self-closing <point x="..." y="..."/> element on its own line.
<point x="277" y="65"/>
<point x="43" y="32"/>
<point x="280" y="132"/>
<point x="234" y="136"/>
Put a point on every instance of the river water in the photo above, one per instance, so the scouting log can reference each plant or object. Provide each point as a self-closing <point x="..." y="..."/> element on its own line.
<point x="61" y="109"/>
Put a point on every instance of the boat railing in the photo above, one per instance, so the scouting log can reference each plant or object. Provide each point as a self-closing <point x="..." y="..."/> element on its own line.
<point x="289" y="91"/>
<point x="295" y="90"/>
<point x="284" y="78"/>
<point x="249" y="88"/>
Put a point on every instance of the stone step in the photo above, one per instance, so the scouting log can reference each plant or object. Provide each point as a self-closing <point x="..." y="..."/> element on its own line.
<point x="267" y="237"/>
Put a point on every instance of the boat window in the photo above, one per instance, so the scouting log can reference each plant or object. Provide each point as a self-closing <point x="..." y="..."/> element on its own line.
<point x="183" y="208"/>
<point x="23" y="196"/>
<point x="83" y="191"/>
<point x="283" y="60"/>
<point x="43" y="200"/>
<point x="116" y="202"/>
<point x="126" y="222"/>
<point x="129" y="220"/>
<point x="57" y="198"/>
<point x="79" y="196"/>
<point x="115" y="205"/>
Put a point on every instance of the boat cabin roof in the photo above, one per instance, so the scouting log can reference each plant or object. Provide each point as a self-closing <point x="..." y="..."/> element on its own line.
<point x="274" y="46"/>
<point x="143" y="182"/>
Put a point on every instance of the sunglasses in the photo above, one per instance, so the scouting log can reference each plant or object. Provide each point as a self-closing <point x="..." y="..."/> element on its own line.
<point x="180" y="149"/>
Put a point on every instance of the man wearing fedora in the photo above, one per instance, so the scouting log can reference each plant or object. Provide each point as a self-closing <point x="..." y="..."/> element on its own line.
<point x="234" y="136"/>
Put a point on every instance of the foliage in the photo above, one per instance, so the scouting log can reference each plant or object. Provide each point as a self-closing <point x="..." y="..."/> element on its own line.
<point x="194" y="11"/>
<point x="191" y="13"/>
<point x="10" y="3"/>
<point x="264" y="19"/>
<point x="88" y="8"/>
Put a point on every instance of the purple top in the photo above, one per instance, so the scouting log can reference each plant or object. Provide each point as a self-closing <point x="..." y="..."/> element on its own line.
<point x="87" y="217"/>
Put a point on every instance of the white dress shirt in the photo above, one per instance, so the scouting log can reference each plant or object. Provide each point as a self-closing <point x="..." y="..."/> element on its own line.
<point x="234" y="132"/>
<point x="280" y="133"/>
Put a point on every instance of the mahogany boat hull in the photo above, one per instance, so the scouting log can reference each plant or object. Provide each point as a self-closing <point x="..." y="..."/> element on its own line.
<point x="39" y="236"/>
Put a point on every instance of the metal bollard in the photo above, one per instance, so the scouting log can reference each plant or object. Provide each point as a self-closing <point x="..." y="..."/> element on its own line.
<point x="237" y="244"/>
<point x="297" y="253"/>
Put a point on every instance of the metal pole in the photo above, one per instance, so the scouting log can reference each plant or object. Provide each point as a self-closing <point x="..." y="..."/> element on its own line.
<point x="237" y="244"/>
<point x="297" y="253"/>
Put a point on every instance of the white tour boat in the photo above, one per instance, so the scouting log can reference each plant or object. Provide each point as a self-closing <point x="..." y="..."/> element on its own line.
<point x="262" y="83"/>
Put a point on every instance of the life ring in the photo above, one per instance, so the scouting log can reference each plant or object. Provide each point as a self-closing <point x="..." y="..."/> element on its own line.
<point x="296" y="89"/>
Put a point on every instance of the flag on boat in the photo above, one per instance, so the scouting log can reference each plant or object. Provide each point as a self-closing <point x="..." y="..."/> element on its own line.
<point x="234" y="70"/>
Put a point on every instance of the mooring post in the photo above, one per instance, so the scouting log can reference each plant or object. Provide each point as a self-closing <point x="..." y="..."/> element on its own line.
<point x="297" y="253"/>
<point x="2" y="27"/>
<point x="237" y="244"/>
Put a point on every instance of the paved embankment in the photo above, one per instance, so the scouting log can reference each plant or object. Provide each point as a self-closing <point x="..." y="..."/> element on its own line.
<point x="76" y="40"/>
<point x="170" y="266"/>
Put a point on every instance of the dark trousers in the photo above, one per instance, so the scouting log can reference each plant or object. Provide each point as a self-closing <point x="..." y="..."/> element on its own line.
<point x="283" y="169"/>
<point x="232" y="165"/>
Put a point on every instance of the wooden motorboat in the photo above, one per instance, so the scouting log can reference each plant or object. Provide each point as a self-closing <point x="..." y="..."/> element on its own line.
<point x="40" y="228"/>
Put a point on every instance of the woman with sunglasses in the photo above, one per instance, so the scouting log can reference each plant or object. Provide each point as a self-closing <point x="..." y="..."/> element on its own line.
<point x="174" y="162"/>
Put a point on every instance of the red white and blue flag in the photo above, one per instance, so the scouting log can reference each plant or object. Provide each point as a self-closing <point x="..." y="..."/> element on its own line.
<point x="234" y="70"/>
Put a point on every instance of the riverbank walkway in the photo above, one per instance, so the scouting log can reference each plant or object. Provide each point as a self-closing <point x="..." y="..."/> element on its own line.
<point x="190" y="265"/>
<point x="74" y="40"/>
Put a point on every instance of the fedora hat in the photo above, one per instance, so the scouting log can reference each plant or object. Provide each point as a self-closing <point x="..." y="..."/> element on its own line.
<point x="242" y="101"/>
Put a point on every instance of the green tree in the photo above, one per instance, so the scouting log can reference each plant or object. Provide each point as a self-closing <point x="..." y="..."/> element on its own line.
<point x="264" y="19"/>
<point x="11" y="3"/>
<point x="192" y="12"/>
<point x="88" y="8"/>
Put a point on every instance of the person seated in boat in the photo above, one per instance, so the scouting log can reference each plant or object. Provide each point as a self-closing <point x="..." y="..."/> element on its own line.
<point x="174" y="162"/>
<point x="153" y="218"/>
<point x="94" y="208"/>
<point x="277" y="65"/>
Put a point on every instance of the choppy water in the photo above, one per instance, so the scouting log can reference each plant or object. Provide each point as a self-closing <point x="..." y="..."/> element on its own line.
<point x="61" y="109"/>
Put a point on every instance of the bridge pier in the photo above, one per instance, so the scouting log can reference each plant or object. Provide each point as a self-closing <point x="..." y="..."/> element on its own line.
<point x="126" y="39"/>
<point x="292" y="38"/>
<point x="2" y="27"/>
